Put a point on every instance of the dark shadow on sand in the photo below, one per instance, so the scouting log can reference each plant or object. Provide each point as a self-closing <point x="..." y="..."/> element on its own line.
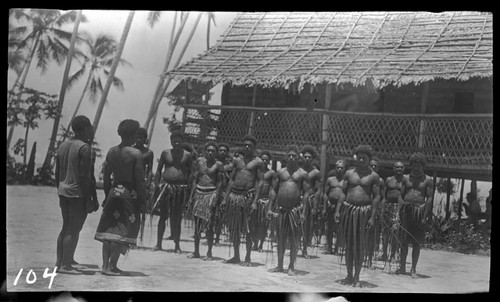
<point x="299" y="272"/>
<point x="362" y="284"/>
<point x="133" y="274"/>
<point x="89" y="265"/>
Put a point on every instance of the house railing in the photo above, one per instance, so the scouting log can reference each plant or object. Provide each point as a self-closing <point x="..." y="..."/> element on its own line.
<point x="445" y="139"/>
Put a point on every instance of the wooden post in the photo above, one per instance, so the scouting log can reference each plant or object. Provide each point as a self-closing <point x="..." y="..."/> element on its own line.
<point x="460" y="203"/>
<point x="324" y="132"/>
<point x="184" y="113"/>
<point x="434" y="181"/>
<point x="423" y="109"/>
<point x="252" y="113"/>
<point x="448" y="213"/>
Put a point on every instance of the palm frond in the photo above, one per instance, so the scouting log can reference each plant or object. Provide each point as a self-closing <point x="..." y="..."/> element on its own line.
<point x="211" y="18"/>
<point x="62" y="34"/>
<point x="19" y="13"/>
<point x="153" y="18"/>
<point x="67" y="17"/>
<point x="42" y="55"/>
<point x="125" y="63"/>
<point x="76" y="76"/>
<point x="118" y="84"/>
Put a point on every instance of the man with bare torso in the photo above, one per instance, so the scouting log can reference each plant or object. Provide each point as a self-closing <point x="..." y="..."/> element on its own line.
<point x="310" y="207"/>
<point x="417" y="205"/>
<point x="390" y="208"/>
<point x="227" y="161"/>
<point x="332" y="194"/>
<point x="147" y="160"/>
<point x="120" y="221"/>
<point x="375" y="165"/>
<point x="357" y="213"/>
<point x="174" y="190"/>
<point x="242" y="195"/>
<point x="206" y="188"/>
<point x="262" y="223"/>
<point x="290" y="190"/>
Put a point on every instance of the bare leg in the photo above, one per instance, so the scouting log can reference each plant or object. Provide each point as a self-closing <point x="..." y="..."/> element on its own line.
<point x="161" y="225"/>
<point x="415" y="254"/>
<point x="106" y="253"/>
<point x="113" y="260"/>
<point x="249" y="249"/>
<point x="196" y="253"/>
<point x="64" y="229"/>
<point x="402" y="263"/>
<point x="349" y="265"/>
<point x="210" y="241"/>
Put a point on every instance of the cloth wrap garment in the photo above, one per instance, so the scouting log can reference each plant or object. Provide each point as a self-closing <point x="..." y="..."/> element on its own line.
<point x="237" y="213"/>
<point x="261" y="221"/>
<point x="120" y="219"/>
<point x="411" y="216"/>
<point x="173" y="203"/>
<point x="353" y="237"/>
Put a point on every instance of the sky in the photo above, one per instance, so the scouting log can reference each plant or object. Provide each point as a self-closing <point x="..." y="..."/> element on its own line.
<point x="145" y="50"/>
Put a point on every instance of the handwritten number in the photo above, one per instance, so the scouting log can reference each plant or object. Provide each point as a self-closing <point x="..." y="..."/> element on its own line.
<point x="28" y="277"/>
<point x="51" y="275"/>
<point x="18" y="275"/>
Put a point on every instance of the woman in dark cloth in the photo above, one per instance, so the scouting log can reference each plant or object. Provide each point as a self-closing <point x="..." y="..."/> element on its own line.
<point x="120" y="221"/>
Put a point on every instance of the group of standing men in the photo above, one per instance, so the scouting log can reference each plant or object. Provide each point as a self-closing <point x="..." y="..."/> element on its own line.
<point x="242" y="195"/>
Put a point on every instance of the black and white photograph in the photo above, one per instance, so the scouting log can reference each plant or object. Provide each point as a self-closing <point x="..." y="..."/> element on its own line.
<point x="295" y="152"/>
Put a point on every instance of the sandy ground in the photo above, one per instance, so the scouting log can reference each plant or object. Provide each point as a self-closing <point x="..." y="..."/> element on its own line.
<point x="34" y="221"/>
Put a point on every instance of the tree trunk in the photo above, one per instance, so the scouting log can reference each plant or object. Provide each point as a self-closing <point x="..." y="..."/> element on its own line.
<point x="25" y="153"/>
<point x="79" y="101"/>
<point x="30" y="169"/>
<point x="64" y="85"/>
<point x="21" y="79"/>
<point x="112" y="71"/>
<point x="159" y="87"/>
<point x="167" y="83"/>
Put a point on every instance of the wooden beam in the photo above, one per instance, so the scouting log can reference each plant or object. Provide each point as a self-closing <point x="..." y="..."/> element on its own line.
<point x="324" y="132"/>
<point x="460" y="201"/>
<point x="252" y="114"/>
<point x="423" y="109"/>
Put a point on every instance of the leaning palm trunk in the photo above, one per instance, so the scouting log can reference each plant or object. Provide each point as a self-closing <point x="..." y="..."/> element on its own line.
<point x="21" y="79"/>
<point x="171" y="48"/>
<point x="79" y="101"/>
<point x="167" y="82"/>
<point x="112" y="71"/>
<point x="64" y="85"/>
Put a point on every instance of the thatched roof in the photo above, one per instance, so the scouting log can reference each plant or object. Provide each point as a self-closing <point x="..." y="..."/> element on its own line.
<point x="280" y="48"/>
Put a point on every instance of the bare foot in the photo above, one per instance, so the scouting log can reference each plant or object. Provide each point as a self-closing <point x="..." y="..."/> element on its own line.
<point x="276" y="270"/>
<point x="69" y="270"/>
<point x="157" y="248"/>
<point x="255" y="248"/>
<point x="110" y="273"/>
<point x="400" y="271"/>
<point x="246" y="263"/>
<point x="357" y="283"/>
<point x="208" y="258"/>
<point x="233" y="260"/>
<point x="306" y="256"/>
<point x="193" y="255"/>
<point x="178" y="250"/>
<point x="413" y="274"/>
<point x="347" y="281"/>
<point x="291" y="272"/>
<point x="117" y="270"/>
<point x="261" y="250"/>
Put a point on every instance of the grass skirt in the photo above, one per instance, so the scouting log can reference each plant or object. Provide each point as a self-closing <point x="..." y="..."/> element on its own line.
<point x="411" y="216"/>
<point x="237" y="214"/>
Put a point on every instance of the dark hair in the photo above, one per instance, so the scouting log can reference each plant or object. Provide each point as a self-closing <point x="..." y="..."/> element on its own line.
<point x="251" y="138"/>
<point x="176" y="133"/>
<point x="211" y="143"/>
<point x="309" y="149"/>
<point x="128" y="128"/>
<point x="266" y="153"/>
<point x="315" y="164"/>
<point x="366" y="149"/>
<point x="223" y="145"/>
<point x="292" y="148"/>
<point x="417" y="158"/>
<point x="79" y="123"/>
<point x="142" y="131"/>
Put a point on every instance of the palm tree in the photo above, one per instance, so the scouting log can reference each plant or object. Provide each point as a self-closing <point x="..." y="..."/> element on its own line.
<point x="163" y="83"/>
<point x="210" y="19"/>
<point x="41" y="34"/>
<point x="62" y="92"/>
<point x="111" y="74"/>
<point x="101" y="52"/>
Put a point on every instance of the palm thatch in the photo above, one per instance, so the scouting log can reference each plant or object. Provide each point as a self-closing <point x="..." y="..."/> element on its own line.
<point x="276" y="49"/>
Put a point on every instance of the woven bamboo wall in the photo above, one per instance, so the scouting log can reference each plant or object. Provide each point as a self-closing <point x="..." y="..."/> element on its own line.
<point x="452" y="141"/>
